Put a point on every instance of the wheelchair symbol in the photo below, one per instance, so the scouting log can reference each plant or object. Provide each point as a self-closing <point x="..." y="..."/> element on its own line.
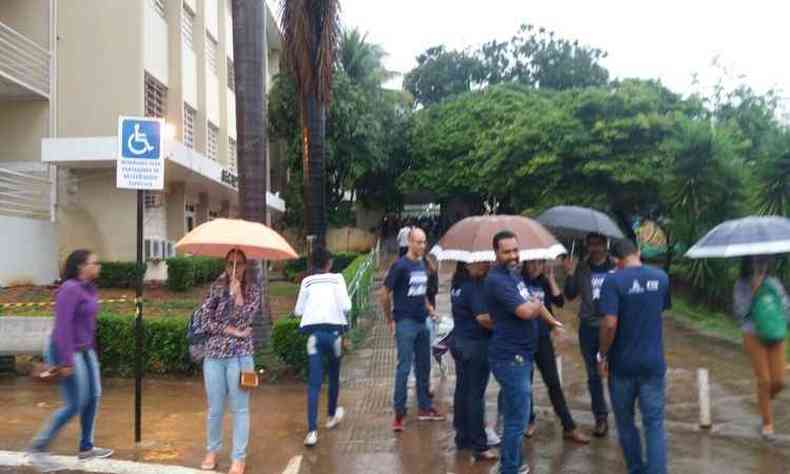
<point x="138" y="142"/>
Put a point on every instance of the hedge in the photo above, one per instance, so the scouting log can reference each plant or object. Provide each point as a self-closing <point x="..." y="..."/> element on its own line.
<point x="166" y="349"/>
<point x="120" y="274"/>
<point x="294" y="268"/>
<point x="183" y="273"/>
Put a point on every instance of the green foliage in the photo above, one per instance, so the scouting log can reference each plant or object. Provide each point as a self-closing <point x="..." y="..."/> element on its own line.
<point x="183" y="273"/>
<point x="120" y="275"/>
<point x="441" y="74"/>
<point x="166" y="349"/>
<point x="297" y="267"/>
<point x="289" y="344"/>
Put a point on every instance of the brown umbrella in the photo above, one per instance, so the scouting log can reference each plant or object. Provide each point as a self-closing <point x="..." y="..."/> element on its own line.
<point x="470" y="240"/>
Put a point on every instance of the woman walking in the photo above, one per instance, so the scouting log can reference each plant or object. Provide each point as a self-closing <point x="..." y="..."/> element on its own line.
<point x="767" y="357"/>
<point x="226" y="316"/>
<point x="542" y="285"/>
<point x="470" y="351"/>
<point x="73" y="351"/>
<point x="322" y="303"/>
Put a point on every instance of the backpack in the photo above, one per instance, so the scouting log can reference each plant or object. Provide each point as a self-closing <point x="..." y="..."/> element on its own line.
<point x="770" y="322"/>
<point x="196" y="337"/>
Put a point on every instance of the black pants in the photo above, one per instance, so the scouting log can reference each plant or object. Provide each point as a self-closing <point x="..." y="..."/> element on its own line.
<point x="472" y="373"/>
<point x="546" y="362"/>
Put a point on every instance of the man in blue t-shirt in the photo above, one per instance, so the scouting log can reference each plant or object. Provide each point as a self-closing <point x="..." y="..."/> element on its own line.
<point x="406" y="308"/>
<point x="512" y="345"/>
<point x="632" y="355"/>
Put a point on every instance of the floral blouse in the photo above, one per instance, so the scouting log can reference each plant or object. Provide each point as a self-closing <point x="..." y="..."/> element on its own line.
<point x="218" y="312"/>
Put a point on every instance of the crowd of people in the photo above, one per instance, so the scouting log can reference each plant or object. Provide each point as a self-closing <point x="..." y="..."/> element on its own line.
<point x="502" y="312"/>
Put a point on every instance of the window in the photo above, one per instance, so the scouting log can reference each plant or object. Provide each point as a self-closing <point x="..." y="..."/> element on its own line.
<point x="159" y="7"/>
<point x="152" y="199"/>
<point x="232" y="156"/>
<point x="231" y="76"/>
<point x="155" y="97"/>
<point x="190" y="117"/>
<point x="187" y="26"/>
<point x="212" y="215"/>
<point x="211" y="149"/>
<point x="211" y="53"/>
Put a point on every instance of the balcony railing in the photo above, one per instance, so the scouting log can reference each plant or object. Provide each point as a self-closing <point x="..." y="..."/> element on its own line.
<point x="23" y="61"/>
<point x="27" y="194"/>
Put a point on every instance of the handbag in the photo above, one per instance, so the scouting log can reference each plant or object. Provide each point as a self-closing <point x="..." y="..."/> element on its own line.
<point x="249" y="379"/>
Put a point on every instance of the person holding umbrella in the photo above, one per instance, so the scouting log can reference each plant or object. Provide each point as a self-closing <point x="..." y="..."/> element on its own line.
<point x="586" y="281"/>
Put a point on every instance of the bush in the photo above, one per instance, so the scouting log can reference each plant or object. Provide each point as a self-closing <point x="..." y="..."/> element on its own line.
<point x="120" y="274"/>
<point x="183" y="273"/>
<point x="297" y="267"/>
<point x="166" y="349"/>
<point x="289" y="344"/>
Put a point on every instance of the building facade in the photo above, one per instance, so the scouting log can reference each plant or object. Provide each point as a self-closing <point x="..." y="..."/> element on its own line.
<point x="89" y="64"/>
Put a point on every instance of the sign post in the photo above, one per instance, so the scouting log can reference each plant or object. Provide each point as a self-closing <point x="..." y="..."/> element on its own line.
<point x="140" y="167"/>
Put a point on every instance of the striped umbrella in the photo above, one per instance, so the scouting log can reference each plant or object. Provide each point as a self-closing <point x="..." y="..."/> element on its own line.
<point x="754" y="235"/>
<point x="471" y="239"/>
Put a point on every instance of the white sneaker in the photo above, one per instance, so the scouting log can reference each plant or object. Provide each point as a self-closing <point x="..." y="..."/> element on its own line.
<point x="492" y="438"/>
<point x="311" y="439"/>
<point x="43" y="462"/>
<point x="335" y="420"/>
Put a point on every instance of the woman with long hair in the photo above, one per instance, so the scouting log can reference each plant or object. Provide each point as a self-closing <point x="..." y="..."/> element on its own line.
<point x="73" y="351"/>
<point x="470" y="351"/>
<point x="767" y="357"/>
<point x="227" y="316"/>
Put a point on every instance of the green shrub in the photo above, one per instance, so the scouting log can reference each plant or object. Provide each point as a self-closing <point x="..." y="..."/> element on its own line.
<point x="207" y="269"/>
<point x="183" y="273"/>
<point x="289" y="344"/>
<point x="120" y="274"/>
<point x="341" y="261"/>
<point x="166" y="349"/>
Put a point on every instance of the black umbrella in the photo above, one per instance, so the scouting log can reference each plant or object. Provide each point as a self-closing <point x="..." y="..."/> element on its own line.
<point x="574" y="222"/>
<point x="753" y="235"/>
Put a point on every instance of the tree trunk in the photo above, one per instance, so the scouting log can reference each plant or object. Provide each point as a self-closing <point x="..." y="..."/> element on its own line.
<point x="249" y="59"/>
<point x="316" y="193"/>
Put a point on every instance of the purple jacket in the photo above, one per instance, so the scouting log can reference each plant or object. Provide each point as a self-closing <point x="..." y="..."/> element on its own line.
<point x="76" y="306"/>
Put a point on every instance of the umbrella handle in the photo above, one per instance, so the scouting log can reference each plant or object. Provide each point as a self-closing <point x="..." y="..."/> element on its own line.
<point x="573" y="247"/>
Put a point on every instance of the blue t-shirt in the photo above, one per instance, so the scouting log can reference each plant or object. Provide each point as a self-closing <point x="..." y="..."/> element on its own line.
<point x="539" y="289"/>
<point x="468" y="302"/>
<point x="637" y="296"/>
<point x="512" y="336"/>
<point x="408" y="281"/>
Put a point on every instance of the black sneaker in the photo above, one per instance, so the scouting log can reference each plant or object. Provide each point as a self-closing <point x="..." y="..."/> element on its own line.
<point x="96" y="453"/>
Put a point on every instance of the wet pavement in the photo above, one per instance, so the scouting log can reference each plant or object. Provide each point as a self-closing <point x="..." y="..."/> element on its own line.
<point x="174" y="414"/>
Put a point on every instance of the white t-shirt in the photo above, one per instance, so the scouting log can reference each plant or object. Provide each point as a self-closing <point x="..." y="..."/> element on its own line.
<point x="403" y="236"/>
<point x="323" y="299"/>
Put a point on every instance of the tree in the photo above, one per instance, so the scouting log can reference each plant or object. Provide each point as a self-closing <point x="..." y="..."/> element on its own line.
<point x="311" y="29"/>
<point x="441" y="74"/>
<point x="249" y="53"/>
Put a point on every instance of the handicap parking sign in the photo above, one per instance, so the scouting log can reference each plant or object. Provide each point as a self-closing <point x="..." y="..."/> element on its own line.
<point x="140" y="157"/>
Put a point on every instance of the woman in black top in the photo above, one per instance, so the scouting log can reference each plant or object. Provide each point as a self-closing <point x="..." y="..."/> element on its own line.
<point x="540" y="282"/>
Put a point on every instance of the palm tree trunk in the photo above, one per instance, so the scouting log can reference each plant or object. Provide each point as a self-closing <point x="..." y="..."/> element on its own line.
<point x="249" y="58"/>
<point x="316" y="132"/>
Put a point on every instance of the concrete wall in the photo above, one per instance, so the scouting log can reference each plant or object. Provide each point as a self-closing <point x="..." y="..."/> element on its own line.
<point x="156" y="35"/>
<point x="100" y="66"/>
<point x="29" y="251"/>
<point x="28" y="17"/>
<point x="24" y="123"/>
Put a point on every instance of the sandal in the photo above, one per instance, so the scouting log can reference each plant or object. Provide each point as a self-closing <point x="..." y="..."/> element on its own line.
<point x="209" y="463"/>
<point x="236" y="468"/>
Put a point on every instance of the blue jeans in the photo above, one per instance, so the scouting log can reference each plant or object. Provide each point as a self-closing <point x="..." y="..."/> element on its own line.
<point x="222" y="378"/>
<point x="81" y="392"/>
<point x="625" y="391"/>
<point x="589" y="342"/>
<point x="320" y="344"/>
<point x="472" y="374"/>
<point x="414" y="347"/>
<point x="514" y="379"/>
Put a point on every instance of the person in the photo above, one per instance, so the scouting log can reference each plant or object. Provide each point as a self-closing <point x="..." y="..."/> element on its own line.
<point x="227" y="316"/>
<point x="73" y="350"/>
<point x="403" y="239"/>
<point x="542" y="285"/>
<point x="512" y="346"/>
<point x="632" y="356"/>
<point x="768" y="359"/>
<point x="405" y="307"/>
<point x="586" y="280"/>
<point x="470" y="351"/>
<point x="430" y="294"/>
<point x="322" y="303"/>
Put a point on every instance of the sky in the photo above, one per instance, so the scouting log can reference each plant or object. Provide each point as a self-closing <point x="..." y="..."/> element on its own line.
<point x="670" y="39"/>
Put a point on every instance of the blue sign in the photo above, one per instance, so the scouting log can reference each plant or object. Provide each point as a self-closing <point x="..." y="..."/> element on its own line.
<point x="141" y="138"/>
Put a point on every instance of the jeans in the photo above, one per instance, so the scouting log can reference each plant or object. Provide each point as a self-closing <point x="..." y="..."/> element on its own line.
<point x="222" y="378"/>
<point x="322" y="344"/>
<point x="414" y="347"/>
<point x="513" y="377"/>
<point x="81" y="392"/>
<point x="589" y="342"/>
<point x="546" y="362"/>
<point x="472" y="374"/>
<point x="625" y="391"/>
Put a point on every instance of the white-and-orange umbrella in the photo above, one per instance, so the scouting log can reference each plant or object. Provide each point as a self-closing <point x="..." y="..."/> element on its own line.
<point x="218" y="237"/>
